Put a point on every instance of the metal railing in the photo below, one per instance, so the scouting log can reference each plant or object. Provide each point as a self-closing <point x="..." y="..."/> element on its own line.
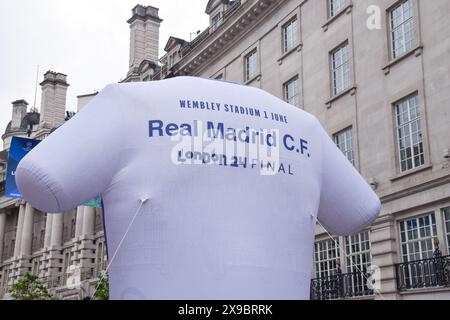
<point x="341" y="286"/>
<point x="425" y="273"/>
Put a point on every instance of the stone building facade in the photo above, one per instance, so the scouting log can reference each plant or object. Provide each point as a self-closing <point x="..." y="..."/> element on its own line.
<point x="40" y="243"/>
<point x="376" y="74"/>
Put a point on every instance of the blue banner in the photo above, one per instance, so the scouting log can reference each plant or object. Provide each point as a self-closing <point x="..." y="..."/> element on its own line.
<point x="18" y="149"/>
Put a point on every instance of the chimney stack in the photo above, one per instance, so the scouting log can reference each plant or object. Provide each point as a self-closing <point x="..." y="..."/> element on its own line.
<point x="19" y="112"/>
<point x="53" y="102"/>
<point x="144" y="36"/>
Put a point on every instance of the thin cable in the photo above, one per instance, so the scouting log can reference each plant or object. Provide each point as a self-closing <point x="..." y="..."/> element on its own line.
<point x="103" y="274"/>
<point x="348" y="256"/>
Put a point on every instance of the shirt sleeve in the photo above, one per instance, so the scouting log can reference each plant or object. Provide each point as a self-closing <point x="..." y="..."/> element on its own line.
<point x="78" y="160"/>
<point x="347" y="203"/>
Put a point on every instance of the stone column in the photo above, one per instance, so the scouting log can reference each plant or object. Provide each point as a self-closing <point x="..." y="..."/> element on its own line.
<point x="48" y="230"/>
<point x="2" y="233"/>
<point x="53" y="243"/>
<point x="384" y="256"/>
<point x="19" y="230"/>
<point x="27" y="231"/>
<point x="87" y="247"/>
<point x="57" y="230"/>
<point x="88" y="221"/>
<point x="79" y="222"/>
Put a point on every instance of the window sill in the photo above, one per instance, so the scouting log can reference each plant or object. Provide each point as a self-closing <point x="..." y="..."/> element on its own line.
<point x="347" y="10"/>
<point x="417" y="51"/>
<point x="257" y="78"/>
<point x="411" y="172"/>
<point x="351" y="90"/>
<point x="297" y="48"/>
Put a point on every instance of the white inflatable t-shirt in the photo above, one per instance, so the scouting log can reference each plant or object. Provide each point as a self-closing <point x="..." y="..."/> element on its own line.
<point x="231" y="219"/>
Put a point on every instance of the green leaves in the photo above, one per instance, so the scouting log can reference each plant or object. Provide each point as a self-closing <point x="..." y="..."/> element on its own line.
<point x="102" y="287"/>
<point x="30" y="288"/>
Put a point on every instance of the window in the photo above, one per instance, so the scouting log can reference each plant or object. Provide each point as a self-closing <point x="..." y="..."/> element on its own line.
<point x="42" y="238"/>
<point x="250" y="65"/>
<point x="402" y="28"/>
<point x="326" y="255"/>
<point x="340" y="64"/>
<point x="11" y="247"/>
<point x="417" y="244"/>
<point x="291" y="92"/>
<point x="359" y="259"/>
<point x="417" y="237"/>
<point x="5" y="251"/>
<point x="446" y="213"/>
<point x="35" y="267"/>
<point x="409" y="131"/>
<point x="335" y="6"/>
<point x="290" y="34"/>
<point x="344" y="141"/>
<point x="358" y="252"/>
<point x="216" y="21"/>
<point x="73" y="228"/>
<point x="100" y="257"/>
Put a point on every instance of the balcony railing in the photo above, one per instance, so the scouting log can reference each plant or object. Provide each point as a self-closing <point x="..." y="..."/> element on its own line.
<point x="425" y="273"/>
<point x="341" y="286"/>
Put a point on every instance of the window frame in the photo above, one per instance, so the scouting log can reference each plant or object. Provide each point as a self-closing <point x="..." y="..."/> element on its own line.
<point x="393" y="55"/>
<point x="331" y="262"/>
<point x="332" y="12"/>
<point x="286" y="97"/>
<point x="216" y="24"/>
<point x="345" y="152"/>
<point x="335" y="91"/>
<point x="446" y="216"/>
<point x="295" y="34"/>
<point x="247" y="76"/>
<point x="418" y="120"/>
<point x="358" y="262"/>
<point x="433" y="234"/>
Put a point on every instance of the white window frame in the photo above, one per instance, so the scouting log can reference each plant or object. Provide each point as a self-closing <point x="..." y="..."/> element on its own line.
<point x="358" y="261"/>
<point x="251" y="65"/>
<point x="446" y="216"/>
<point x="216" y="21"/>
<point x="357" y="248"/>
<point x="405" y="27"/>
<point x="326" y="254"/>
<point x="416" y="240"/>
<point x="292" y="97"/>
<point x="344" y="141"/>
<point x="336" y="6"/>
<point x="290" y="34"/>
<point x="340" y="63"/>
<point x="410" y="142"/>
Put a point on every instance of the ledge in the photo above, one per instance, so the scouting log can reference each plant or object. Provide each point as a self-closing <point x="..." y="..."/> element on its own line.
<point x="411" y="172"/>
<point x="257" y="78"/>
<point x="351" y="90"/>
<point x="424" y="290"/>
<point x="417" y="51"/>
<point x="297" y="48"/>
<point x="347" y="10"/>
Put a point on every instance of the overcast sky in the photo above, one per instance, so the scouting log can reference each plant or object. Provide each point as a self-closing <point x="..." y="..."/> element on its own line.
<point x="86" y="39"/>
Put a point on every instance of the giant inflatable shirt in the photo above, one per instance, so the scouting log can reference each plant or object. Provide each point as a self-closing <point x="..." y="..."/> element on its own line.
<point x="216" y="225"/>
